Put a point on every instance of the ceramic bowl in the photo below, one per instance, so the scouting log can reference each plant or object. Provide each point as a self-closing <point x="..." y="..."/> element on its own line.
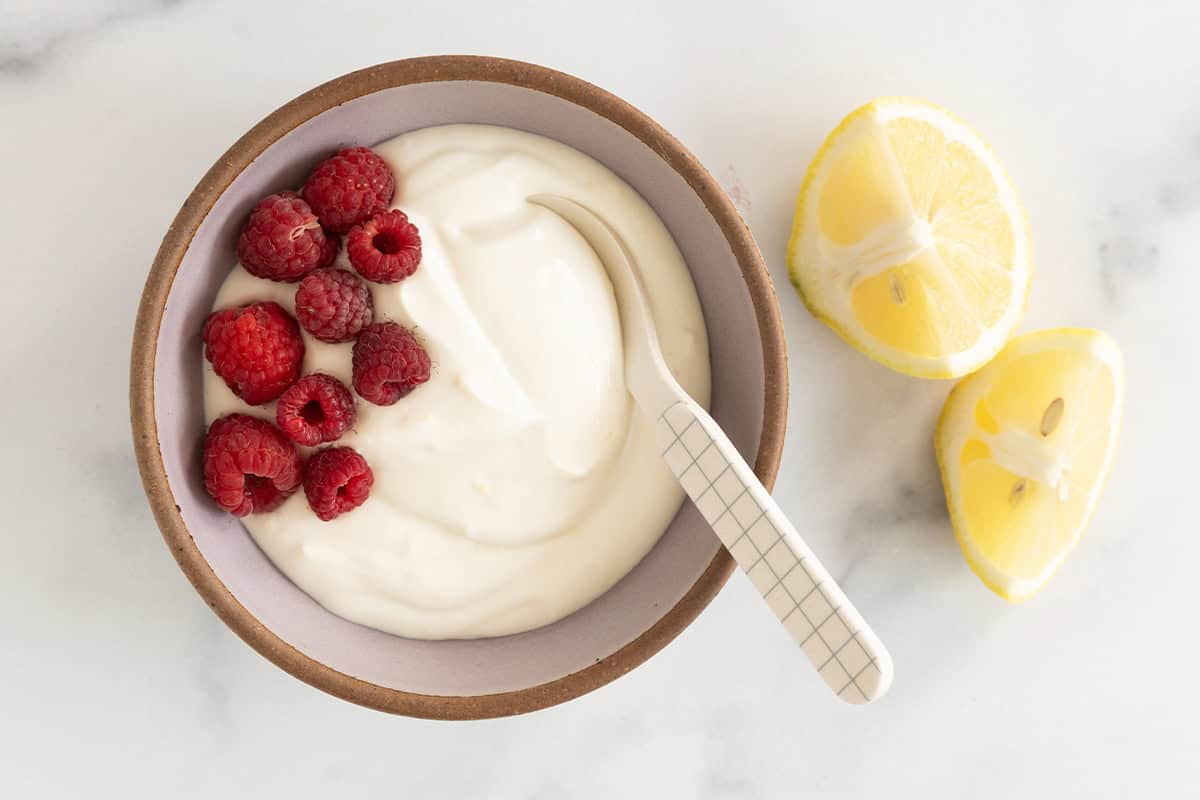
<point x="471" y="678"/>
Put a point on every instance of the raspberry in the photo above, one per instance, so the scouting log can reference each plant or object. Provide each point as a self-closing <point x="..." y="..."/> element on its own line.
<point x="386" y="248"/>
<point x="336" y="480"/>
<point x="282" y="240"/>
<point x="256" y="349"/>
<point x="332" y="245"/>
<point x="334" y="305"/>
<point x="389" y="363"/>
<point x="316" y="409"/>
<point x="349" y="187"/>
<point x="249" y="466"/>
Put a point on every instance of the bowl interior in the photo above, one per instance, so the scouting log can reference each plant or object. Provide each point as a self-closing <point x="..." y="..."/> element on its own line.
<point x="485" y="666"/>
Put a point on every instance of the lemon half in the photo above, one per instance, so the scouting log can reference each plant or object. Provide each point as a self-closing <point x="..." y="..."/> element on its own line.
<point x="910" y="241"/>
<point x="1024" y="446"/>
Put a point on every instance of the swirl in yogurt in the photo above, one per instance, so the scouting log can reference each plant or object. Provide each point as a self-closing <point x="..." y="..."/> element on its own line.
<point x="520" y="482"/>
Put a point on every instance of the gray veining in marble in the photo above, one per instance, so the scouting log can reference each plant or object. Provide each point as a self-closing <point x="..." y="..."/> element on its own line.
<point x="31" y="34"/>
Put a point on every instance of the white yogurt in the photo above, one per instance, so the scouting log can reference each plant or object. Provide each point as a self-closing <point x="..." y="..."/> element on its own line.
<point x="519" y="483"/>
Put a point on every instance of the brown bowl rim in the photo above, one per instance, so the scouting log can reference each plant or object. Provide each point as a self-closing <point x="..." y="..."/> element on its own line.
<point x="170" y="255"/>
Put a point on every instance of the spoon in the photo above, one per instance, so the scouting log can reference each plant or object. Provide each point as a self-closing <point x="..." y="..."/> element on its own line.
<point x="841" y="646"/>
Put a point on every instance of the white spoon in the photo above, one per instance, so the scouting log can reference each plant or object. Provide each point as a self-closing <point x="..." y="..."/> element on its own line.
<point x="839" y="643"/>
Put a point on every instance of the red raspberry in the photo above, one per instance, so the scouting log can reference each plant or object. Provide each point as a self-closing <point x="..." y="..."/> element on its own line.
<point x="332" y="245"/>
<point x="316" y="409"/>
<point x="389" y="363"/>
<point x="386" y="248"/>
<point x="249" y="466"/>
<point x="256" y="349"/>
<point x="336" y="480"/>
<point x="334" y="305"/>
<point x="349" y="187"/>
<point x="283" y="241"/>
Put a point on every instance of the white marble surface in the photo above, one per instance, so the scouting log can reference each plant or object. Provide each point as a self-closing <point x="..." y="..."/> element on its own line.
<point x="119" y="682"/>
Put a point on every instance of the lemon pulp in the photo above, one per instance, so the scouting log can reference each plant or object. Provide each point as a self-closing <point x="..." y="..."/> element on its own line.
<point x="909" y="240"/>
<point x="1024" y="446"/>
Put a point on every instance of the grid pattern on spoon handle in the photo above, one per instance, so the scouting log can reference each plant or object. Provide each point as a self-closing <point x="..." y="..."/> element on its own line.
<point x="813" y="609"/>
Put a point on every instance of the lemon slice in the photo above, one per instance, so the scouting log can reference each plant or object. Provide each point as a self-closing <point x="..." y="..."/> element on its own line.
<point x="909" y="240"/>
<point x="1024" y="446"/>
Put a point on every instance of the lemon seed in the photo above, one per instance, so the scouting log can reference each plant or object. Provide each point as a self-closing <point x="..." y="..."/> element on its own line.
<point x="1052" y="416"/>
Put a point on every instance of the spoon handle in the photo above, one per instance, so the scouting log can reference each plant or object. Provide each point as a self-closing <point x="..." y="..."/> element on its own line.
<point x="839" y="643"/>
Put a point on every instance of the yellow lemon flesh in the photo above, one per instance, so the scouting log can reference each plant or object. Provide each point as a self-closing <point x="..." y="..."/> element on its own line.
<point x="1024" y="446"/>
<point x="910" y="242"/>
